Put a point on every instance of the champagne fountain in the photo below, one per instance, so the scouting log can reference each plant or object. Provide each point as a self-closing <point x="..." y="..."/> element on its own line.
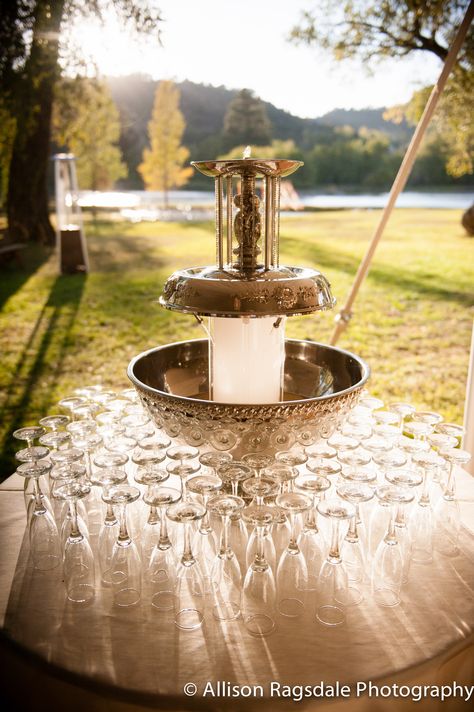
<point x="245" y="388"/>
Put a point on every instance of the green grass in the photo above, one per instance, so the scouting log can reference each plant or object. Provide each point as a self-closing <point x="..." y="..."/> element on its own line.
<point x="412" y="319"/>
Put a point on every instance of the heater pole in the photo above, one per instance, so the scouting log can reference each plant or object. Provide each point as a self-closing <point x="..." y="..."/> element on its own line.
<point x="345" y="314"/>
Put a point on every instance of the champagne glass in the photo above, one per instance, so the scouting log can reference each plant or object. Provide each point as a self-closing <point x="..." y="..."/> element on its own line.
<point x="204" y="543"/>
<point x="160" y="572"/>
<point x="234" y="472"/>
<point x="43" y="533"/>
<point x="54" y="422"/>
<point x="29" y="434"/>
<point x="182" y="465"/>
<point x="189" y="599"/>
<point x="108" y="533"/>
<point x="150" y="475"/>
<point x="125" y="563"/>
<point x="353" y="553"/>
<point x="258" y="461"/>
<point x="320" y="450"/>
<point x="409" y="479"/>
<point x="78" y="562"/>
<point x="259" y="488"/>
<point x="259" y="590"/>
<point x="404" y="410"/>
<point x="311" y="541"/>
<point x="421" y="520"/>
<point x="71" y="403"/>
<point x="55" y="440"/>
<point x="333" y="583"/>
<point x="37" y="470"/>
<point x="446" y="513"/>
<point x="225" y="574"/>
<point x="387" y="566"/>
<point x="284" y="475"/>
<point x="292" y="572"/>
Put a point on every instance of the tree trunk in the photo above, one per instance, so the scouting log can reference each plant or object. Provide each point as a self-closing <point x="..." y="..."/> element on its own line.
<point x="27" y="199"/>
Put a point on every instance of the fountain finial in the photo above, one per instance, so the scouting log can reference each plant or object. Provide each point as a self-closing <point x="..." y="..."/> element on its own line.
<point x="247" y="152"/>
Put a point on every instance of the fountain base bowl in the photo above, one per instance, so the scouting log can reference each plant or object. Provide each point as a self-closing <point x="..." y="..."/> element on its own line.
<point x="321" y="383"/>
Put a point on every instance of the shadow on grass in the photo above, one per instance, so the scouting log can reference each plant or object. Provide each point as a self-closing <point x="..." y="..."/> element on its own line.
<point x="119" y="253"/>
<point x="381" y="274"/>
<point x="13" y="275"/>
<point x="33" y="380"/>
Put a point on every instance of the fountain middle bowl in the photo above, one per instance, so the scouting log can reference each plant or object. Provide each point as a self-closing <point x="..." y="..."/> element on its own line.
<point x="321" y="384"/>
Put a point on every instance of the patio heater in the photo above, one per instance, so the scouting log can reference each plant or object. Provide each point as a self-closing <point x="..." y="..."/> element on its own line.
<point x="70" y="239"/>
<point x="245" y="387"/>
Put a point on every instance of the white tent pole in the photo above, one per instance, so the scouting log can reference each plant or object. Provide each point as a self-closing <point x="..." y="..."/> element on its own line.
<point x="468" y="440"/>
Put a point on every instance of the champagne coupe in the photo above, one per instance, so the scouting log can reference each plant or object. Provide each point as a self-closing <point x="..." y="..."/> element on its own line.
<point x="333" y="583"/>
<point x="189" y="598"/>
<point x="149" y="475"/>
<point x="78" y="562"/>
<point x="160" y="571"/>
<point x="225" y="574"/>
<point x="292" y="572"/>
<point x="259" y="590"/>
<point x="29" y="434"/>
<point x="259" y="488"/>
<point x="257" y="461"/>
<point x="235" y="473"/>
<point x="311" y="541"/>
<point x="125" y="563"/>
<point x="54" y="422"/>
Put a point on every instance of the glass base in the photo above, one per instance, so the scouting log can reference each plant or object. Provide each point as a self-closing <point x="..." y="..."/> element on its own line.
<point x="386" y="597"/>
<point x="226" y="611"/>
<point x="189" y="619"/>
<point x="81" y="593"/>
<point x="163" y="600"/>
<point x="330" y="615"/>
<point x="291" y="607"/>
<point x="46" y="562"/>
<point x="126" y="597"/>
<point x="259" y="625"/>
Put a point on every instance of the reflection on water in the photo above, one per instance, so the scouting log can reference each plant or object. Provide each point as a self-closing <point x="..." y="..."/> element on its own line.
<point x="138" y="205"/>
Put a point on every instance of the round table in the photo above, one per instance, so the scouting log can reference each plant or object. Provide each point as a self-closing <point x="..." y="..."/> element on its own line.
<point x="102" y="657"/>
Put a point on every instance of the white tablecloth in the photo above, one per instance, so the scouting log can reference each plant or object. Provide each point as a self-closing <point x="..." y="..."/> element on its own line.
<point x="101" y="654"/>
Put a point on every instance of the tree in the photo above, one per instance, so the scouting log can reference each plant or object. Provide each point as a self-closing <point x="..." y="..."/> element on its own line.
<point x="395" y="28"/>
<point x="29" y="69"/>
<point x="86" y="120"/>
<point x="162" y="166"/>
<point x="246" y="121"/>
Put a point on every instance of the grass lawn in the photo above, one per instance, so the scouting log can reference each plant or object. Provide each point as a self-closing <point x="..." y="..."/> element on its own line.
<point x="412" y="320"/>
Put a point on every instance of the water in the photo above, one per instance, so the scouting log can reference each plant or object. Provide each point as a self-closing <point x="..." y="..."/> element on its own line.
<point x="136" y="205"/>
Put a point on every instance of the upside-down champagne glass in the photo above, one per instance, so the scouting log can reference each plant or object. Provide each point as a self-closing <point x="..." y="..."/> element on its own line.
<point x="333" y="583"/>
<point x="204" y="543"/>
<point x="311" y="540"/>
<point x="160" y="571"/>
<point x="259" y="590"/>
<point x="189" y="597"/>
<point x="225" y="573"/>
<point x="447" y="516"/>
<point x="292" y="572"/>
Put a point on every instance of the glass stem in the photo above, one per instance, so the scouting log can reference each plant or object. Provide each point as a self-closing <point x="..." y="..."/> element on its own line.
<point x="153" y="516"/>
<point x="37" y="494"/>
<point x="292" y="544"/>
<point x="164" y="542"/>
<point x="259" y="552"/>
<point x="187" y="558"/>
<point x="334" y="554"/>
<point x="75" y="533"/>
<point x="450" y="489"/>
<point x="123" y="537"/>
<point x="205" y="526"/>
<point x="235" y="486"/>
<point x="390" y="536"/>
<point x="110" y="518"/>
<point x="224" y="542"/>
<point x="352" y="534"/>
<point x="425" y="493"/>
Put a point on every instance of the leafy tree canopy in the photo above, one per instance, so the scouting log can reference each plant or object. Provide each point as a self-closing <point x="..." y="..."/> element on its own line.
<point x="369" y="30"/>
<point x="246" y="121"/>
<point x="162" y="167"/>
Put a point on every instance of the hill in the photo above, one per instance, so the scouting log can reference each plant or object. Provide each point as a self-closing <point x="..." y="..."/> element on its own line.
<point x="204" y="108"/>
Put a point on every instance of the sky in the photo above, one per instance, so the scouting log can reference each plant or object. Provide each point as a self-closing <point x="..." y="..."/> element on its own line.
<point x="242" y="43"/>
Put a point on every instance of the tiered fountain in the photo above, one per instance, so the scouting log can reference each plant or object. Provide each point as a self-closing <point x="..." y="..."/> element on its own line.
<point x="246" y="388"/>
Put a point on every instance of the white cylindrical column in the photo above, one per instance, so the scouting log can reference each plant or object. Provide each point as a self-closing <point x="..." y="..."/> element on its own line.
<point x="246" y="359"/>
